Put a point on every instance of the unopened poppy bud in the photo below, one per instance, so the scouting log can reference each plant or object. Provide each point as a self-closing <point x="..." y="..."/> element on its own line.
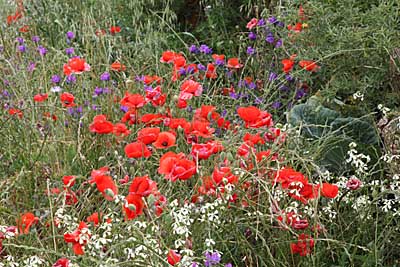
<point x="109" y="193"/>
<point x="132" y="207"/>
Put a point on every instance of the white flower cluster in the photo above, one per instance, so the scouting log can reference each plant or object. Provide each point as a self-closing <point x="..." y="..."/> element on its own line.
<point x="34" y="261"/>
<point x="359" y="161"/>
<point x="209" y="212"/>
<point x="358" y="95"/>
<point x="182" y="218"/>
<point x="9" y="261"/>
<point x="64" y="220"/>
<point x="383" y="109"/>
<point x="98" y="241"/>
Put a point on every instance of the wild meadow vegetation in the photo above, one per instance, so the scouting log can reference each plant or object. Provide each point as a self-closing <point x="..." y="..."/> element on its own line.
<point x="199" y="133"/>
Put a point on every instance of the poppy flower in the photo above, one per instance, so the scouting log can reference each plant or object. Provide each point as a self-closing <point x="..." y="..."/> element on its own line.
<point x="190" y="88"/>
<point x="173" y="257"/>
<point x="15" y="111"/>
<point x="94" y="218"/>
<point x="25" y="222"/>
<point x="67" y="99"/>
<point x="40" y="97"/>
<point x="175" y="123"/>
<point x="117" y="66"/>
<point x="287" y="176"/>
<point x="329" y="190"/>
<point x="13" y="18"/>
<point x="133" y="100"/>
<point x="24" y="29"/>
<point x="176" y="166"/>
<point x="218" y="58"/>
<point x="254" y="117"/>
<point x="303" y="246"/>
<point x="298" y="27"/>
<point x="252" y="23"/>
<point x="309" y="65"/>
<point x="76" y="65"/>
<point x="100" y="125"/>
<point x="115" y="29"/>
<point x="254" y="138"/>
<point x="204" y="151"/>
<point x="78" y="238"/>
<point x="148" y="135"/>
<point x="133" y="206"/>
<point x="142" y="186"/>
<point x="152" y="119"/>
<point x="121" y="129"/>
<point x="164" y="140"/>
<point x="224" y="175"/>
<point x="156" y="97"/>
<point x="168" y="57"/>
<point x="200" y="128"/>
<point x="137" y="150"/>
<point x="62" y="262"/>
<point x="106" y="185"/>
<point x="233" y="63"/>
<point x="69" y="180"/>
<point x="147" y="79"/>
<point x="287" y="65"/>
<point x="353" y="183"/>
<point x="211" y="71"/>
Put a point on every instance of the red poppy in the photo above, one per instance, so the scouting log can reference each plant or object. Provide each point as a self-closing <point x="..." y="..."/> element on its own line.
<point x="137" y="150"/>
<point x="164" y="140"/>
<point x="204" y="151"/>
<point x="218" y="57"/>
<point x="148" y="135"/>
<point x="13" y="18"/>
<point x="174" y="123"/>
<point x="287" y="65"/>
<point x="143" y="186"/>
<point x="190" y="88"/>
<point x="309" y="65"/>
<point x="133" y="206"/>
<point x="304" y="245"/>
<point x="76" y="65"/>
<point x="211" y="72"/>
<point x="130" y="117"/>
<point x="156" y="97"/>
<point x="152" y="119"/>
<point x="286" y="176"/>
<point x="15" y="111"/>
<point x="24" y="29"/>
<point x="62" y="262"/>
<point x="200" y="128"/>
<point x="252" y="23"/>
<point x="262" y="155"/>
<point x="233" y="63"/>
<point x="40" y="97"/>
<point x="117" y="66"/>
<point x="133" y="100"/>
<point x="69" y="180"/>
<point x="78" y="238"/>
<point x="298" y="27"/>
<point x="147" y="79"/>
<point x="67" y="99"/>
<point x="25" y="222"/>
<point x="167" y="57"/>
<point x="173" y="257"/>
<point x="106" y="185"/>
<point x="100" y="125"/>
<point x="176" y="166"/>
<point x="254" y="117"/>
<point x="245" y="149"/>
<point x="115" y="29"/>
<point x="254" y="138"/>
<point x="121" y="129"/>
<point x="329" y="190"/>
<point x="94" y="218"/>
<point x="224" y="175"/>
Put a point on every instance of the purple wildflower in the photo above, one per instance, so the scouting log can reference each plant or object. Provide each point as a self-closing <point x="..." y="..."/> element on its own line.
<point x="270" y="38"/>
<point x="205" y="49"/>
<point x="20" y="40"/>
<point x="182" y="71"/>
<point x="71" y="78"/>
<point x="69" y="51"/>
<point x="272" y="20"/>
<point x="201" y="67"/>
<point x="31" y="67"/>
<point x="193" y="49"/>
<point x="212" y="258"/>
<point x="35" y="39"/>
<point x="250" y="50"/>
<point x="124" y="108"/>
<point x="105" y="76"/>
<point x="70" y="35"/>
<point x="252" y="36"/>
<point x="42" y="50"/>
<point x="22" y="48"/>
<point x="98" y="91"/>
<point x="261" y="22"/>
<point x="278" y="43"/>
<point x="272" y="76"/>
<point x="289" y="78"/>
<point x="55" y="79"/>
<point x="276" y="105"/>
<point x="280" y="24"/>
